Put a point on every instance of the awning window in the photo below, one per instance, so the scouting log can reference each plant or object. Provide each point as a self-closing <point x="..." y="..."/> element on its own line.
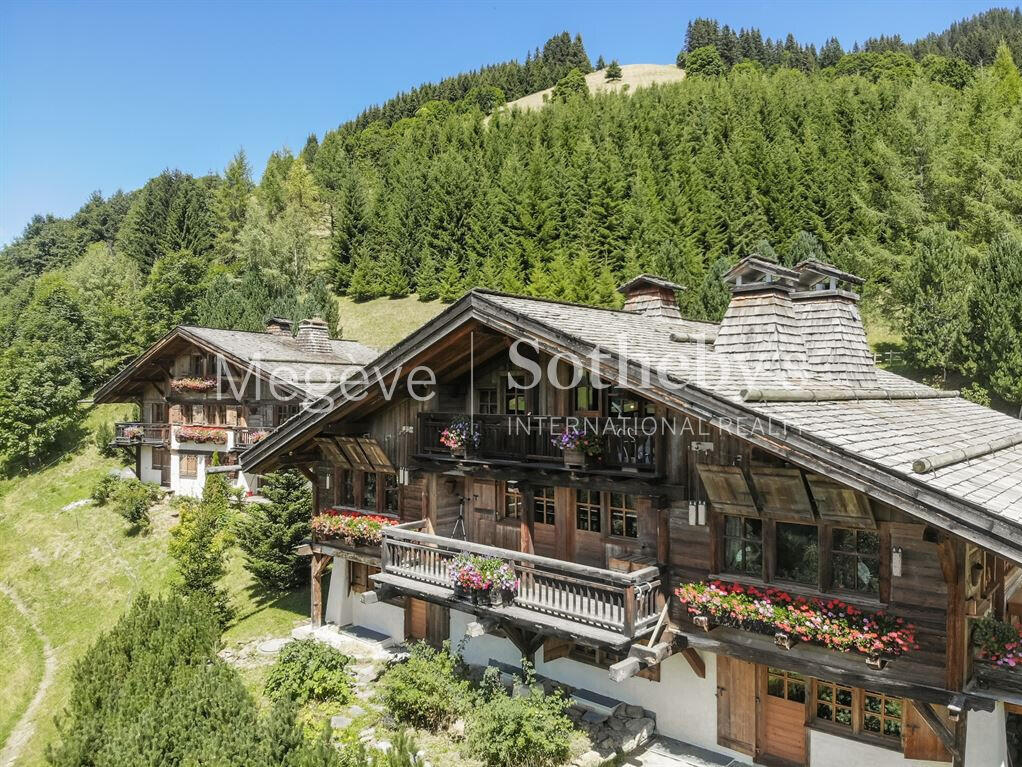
<point x="727" y="490"/>
<point x="782" y="493"/>
<point x="840" y="505"/>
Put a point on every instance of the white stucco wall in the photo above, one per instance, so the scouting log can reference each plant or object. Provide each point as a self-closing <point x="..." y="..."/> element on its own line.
<point x="187" y="486"/>
<point x="344" y="608"/>
<point x="149" y="474"/>
<point x="686" y="707"/>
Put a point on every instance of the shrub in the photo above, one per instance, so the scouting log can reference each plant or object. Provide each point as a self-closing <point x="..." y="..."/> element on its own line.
<point x="268" y="534"/>
<point x="308" y="670"/>
<point x="101" y="492"/>
<point x="529" y="730"/>
<point x="102" y="437"/>
<point x="198" y="544"/>
<point x="153" y="691"/>
<point x="427" y="691"/>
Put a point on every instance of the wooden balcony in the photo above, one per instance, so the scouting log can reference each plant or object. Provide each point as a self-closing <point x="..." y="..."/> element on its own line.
<point x="522" y="439"/>
<point x="138" y="433"/>
<point x="246" y="436"/>
<point x="589" y="605"/>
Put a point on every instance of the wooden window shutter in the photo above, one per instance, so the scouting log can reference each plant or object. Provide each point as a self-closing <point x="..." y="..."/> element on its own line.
<point x="333" y="452"/>
<point x="359" y="577"/>
<point x="919" y="741"/>
<point x="782" y="493"/>
<point x="376" y="456"/>
<point x="840" y="505"/>
<point x="554" y="648"/>
<point x="727" y="490"/>
<point x="736" y="704"/>
<point x="350" y="447"/>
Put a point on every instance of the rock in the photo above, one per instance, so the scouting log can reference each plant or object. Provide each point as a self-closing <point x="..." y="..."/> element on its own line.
<point x="384" y="746"/>
<point x="272" y="646"/>
<point x="634" y="712"/>
<point x="609" y="746"/>
<point x="638" y="733"/>
<point x="457" y="729"/>
<point x="356" y="711"/>
<point x="635" y="726"/>
<point x="589" y="759"/>
<point x="339" y="722"/>
<point x="616" y="724"/>
<point x="594" y="717"/>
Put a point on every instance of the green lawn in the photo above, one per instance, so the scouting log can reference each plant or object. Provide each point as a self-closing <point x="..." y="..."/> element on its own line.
<point x="21" y="665"/>
<point x="383" y="322"/>
<point x="77" y="570"/>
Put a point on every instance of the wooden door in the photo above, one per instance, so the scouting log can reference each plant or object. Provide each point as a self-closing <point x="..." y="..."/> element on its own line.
<point x="782" y="732"/>
<point x="416" y="620"/>
<point x="736" y="704"/>
<point x="589" y="528"/>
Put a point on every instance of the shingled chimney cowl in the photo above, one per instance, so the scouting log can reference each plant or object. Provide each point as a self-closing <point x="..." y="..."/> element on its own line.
<point x="278" y="326"/>
<point x="760" y="327"/>
<point x="828" y="313"/>
<point x="314" y="336"/>
<point x="652" y="297"/>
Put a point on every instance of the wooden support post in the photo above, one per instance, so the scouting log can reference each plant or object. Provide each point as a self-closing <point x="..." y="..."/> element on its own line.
<point x="927" y="714"/>
<point x="695" y="660"/>
<point x="960" y="733"/>
<point x="951" y="553"/>
<point x="319" y="565"/>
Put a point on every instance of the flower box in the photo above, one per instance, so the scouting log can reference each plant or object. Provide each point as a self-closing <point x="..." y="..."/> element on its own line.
<point x="829" y="623"/>
<point x="193" y="385"/>
<point x="578" y="446"/>
<point x="202" y="435"/>
<point x="133" y="433"/>
<point x="460" y="436"/>
<point x="486" y="580"/>
<point x="352" y="527"/>
<point x="703" y="622"/>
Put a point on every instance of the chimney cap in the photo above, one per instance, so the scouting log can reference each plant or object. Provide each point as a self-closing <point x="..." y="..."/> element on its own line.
<point x="649" y="279"/>
<point x="812" y="272"/>
<point x="312" y="322"/>
<point x="760" y="273"/>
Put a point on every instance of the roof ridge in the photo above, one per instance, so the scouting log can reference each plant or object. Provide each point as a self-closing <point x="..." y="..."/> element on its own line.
<point x="561" y="302"/>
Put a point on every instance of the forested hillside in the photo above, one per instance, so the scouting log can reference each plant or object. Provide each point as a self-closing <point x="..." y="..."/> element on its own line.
<point x="899" y="162"/>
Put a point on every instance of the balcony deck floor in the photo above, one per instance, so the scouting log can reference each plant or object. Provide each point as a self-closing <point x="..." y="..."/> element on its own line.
<point x="517" y="614"/>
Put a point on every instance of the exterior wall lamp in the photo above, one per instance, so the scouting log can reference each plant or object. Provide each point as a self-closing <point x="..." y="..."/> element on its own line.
<point x="896" y="561"/>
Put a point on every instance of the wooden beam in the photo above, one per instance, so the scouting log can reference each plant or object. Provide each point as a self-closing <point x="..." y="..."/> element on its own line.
<point x="319" y="565"/>
<point x="939" y="729"/>
<point x="625" y="669"/>
<point x="695" y="661"/>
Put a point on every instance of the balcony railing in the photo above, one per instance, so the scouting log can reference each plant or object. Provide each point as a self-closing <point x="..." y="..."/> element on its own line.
<point x="246" y="436"/>
<point x="603" y="606"/>
<point x="624" y="446"/>
<point x="138" y="433"/>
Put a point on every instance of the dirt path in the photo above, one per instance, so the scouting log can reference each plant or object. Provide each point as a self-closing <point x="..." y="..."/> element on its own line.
<point x="26" y="724"/>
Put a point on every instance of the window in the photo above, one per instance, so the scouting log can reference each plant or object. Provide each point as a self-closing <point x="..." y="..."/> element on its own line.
<point x="624" y="520"/>
<point x="160" y="457"/>
<point x="189" y="466"/>
<point x="186" y="413"/>
<point x="834" y="703"/>
<point x="881" y="714"/>
<point x="391" y="493"/>
<point x="855" y="561"/>
<point x="283" y="412"/>
<point x="512" y="503"/>
<point x="743" y="546"/>
<point x="216" y="414"/>
<point x="346" y="487"/>
<point x="587" y="510"/>
<point x="852" y="710"/>
<point x="369" y="490"/>
<point x="197" y="365"/>
<point x="587" y="395"/>
<point x="786" y="684"/>
<point x="488" y="403"/>
<point x="514" y="403"/>
<point x="543" y="508"/>
<point x="798" y="553"/>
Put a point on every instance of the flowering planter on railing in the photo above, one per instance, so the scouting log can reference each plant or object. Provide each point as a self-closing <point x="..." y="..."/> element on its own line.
<point x="352" y="527"/>
<point x="201" y="435"/>
<point x="483" y="580"/>
<point x="578" y="446"/>
<point x="829" y="623"/>
<point x="193" y="385"/>
<point x="133" y="433"/>
<point x="460" y="436"/>
<point x="997" y="647"/>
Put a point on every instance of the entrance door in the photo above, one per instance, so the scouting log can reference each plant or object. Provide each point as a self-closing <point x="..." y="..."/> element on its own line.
<point x="589" y="548"/>
<point x="783" y="734"/>
<point x="736" y="704"/>
<point x="161" y="461"/>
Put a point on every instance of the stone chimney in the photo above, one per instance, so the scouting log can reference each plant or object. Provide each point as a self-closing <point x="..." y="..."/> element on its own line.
<point x="652" y="296"/>
<point x="828" y="313"/>
<point x="278" y="326"/>
<point x="760" y="327"/>
<point x="314" y="336"/>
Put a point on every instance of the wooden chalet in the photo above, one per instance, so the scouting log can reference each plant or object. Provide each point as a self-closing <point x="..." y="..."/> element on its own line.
<point x="201" y="391"/>
<point x="767" y="452"/>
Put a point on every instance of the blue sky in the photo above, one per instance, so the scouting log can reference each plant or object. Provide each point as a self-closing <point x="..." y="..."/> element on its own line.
<point x="104" y="95"/>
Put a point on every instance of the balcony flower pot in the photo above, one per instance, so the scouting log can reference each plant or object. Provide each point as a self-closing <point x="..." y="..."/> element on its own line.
<point x="877" y="663"/>
<point x="703" y="622"/>
<point x="784" y="641"/>
<point x="575" y="458"/>
<point x="496" y="597"/>
<point x="460" y="592"/>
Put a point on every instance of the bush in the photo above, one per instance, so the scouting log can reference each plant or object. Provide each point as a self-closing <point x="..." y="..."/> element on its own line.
<point x="308" y="670"/>
<point x="153" y="691"/>
<point x="198" y="544"/>
<point x="268" y="534"/>
<point x="103" y="436"/>
<point x="133" y="499"/>
<point x="104" y="488"/>
<point x="427" y="691"/>
<point x="528" y="730"/>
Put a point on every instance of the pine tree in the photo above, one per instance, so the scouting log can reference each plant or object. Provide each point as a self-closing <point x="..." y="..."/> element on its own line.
<point x="997" y="318"/>
<point x="232" y="204"/>
<point x="613" y="71"/>
<point x="269" y="534"/>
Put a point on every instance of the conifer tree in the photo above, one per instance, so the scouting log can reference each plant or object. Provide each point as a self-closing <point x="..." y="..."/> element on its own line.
<point x="613" y="71"/>
<point x="269" y="534"/>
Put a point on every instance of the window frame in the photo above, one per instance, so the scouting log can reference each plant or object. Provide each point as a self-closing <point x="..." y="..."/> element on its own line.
<point x="544" y="505"/>
<point x="724" y="537"/>
<point x="590" y="509"/>
<point x="625" y="512"/>
<point x="512" y="504"/>
<point x="856" y="556"/>
<point x="192" y="473"/>
<point x="856" y="729"/>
